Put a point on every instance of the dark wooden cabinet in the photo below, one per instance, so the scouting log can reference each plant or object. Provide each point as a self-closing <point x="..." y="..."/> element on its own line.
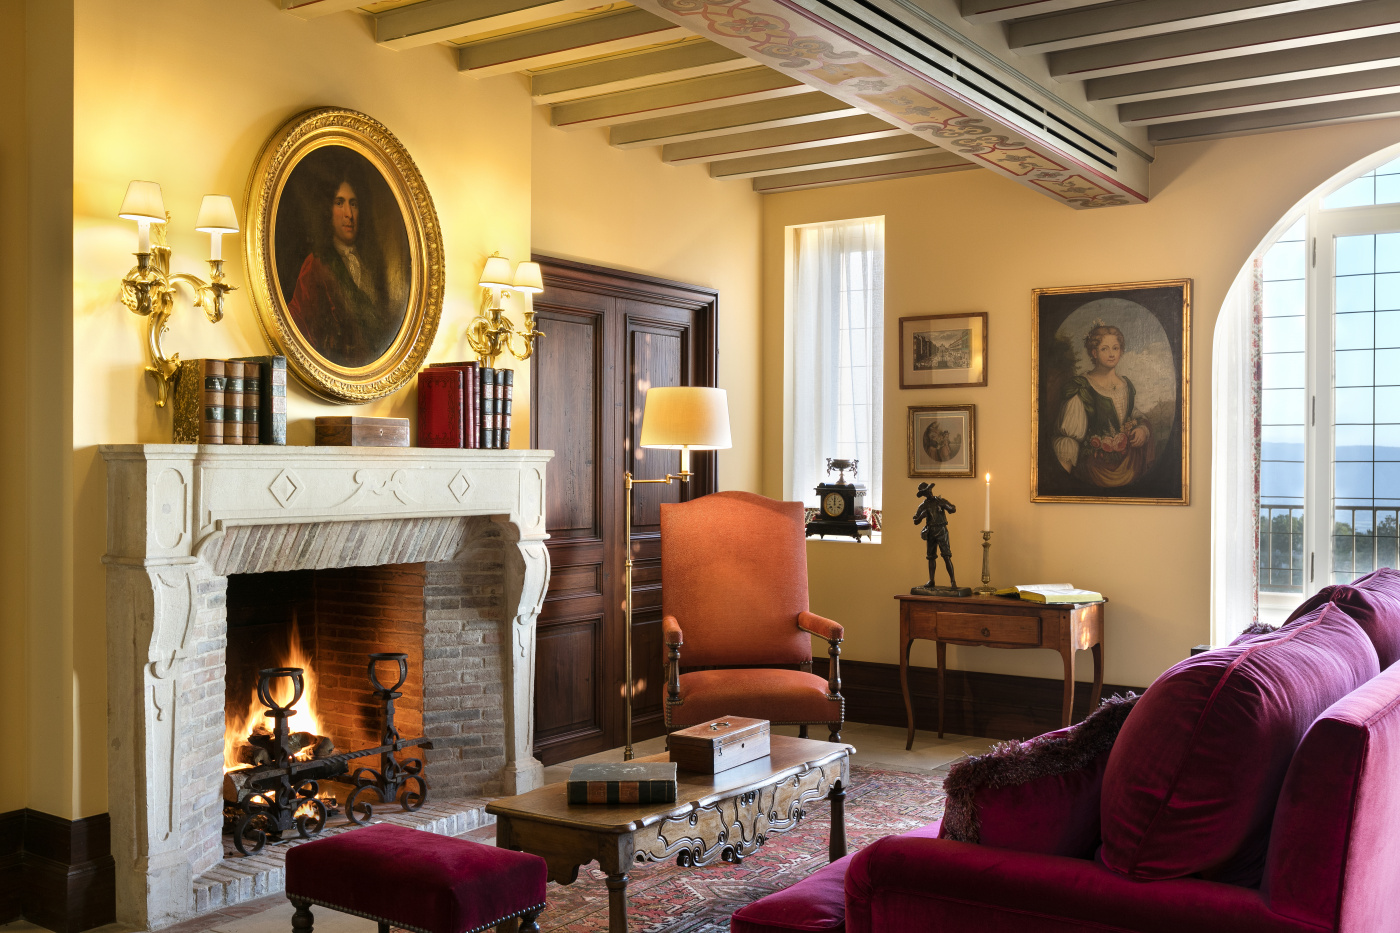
<point x="610" y="336"/>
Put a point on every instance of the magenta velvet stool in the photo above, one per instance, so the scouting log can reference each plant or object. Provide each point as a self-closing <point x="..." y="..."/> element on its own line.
<point x="415" y="880"/>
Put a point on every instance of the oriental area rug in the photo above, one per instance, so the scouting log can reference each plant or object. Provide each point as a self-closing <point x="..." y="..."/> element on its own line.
<point x="664" y="898"/>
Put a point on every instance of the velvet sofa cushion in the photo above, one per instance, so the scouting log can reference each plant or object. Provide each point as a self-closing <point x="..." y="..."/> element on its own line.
<point x="1041" y="795"/>
<point x="1373" y="601"/>
<point x="1193" y="778"/>
<point x="1334" y="855"/>
<point x="816" y="904"/>
<point x="771" y="693"/>
<point x="416" y="878"/>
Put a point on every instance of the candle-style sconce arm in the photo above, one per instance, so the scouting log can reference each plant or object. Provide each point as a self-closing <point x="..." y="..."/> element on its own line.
<point x="491" y="333"/>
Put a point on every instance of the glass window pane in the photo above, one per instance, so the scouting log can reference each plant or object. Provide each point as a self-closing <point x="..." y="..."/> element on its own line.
<point x="1353" y="480"/>
<point x="1388" y="404"/>
<point x="1284" y="261"/>
<point x="1285" y="298"/>
<point x="1388" y="189"/>
<point x="1354" y="406"/>
<point x="1284" y="370"/>
<point x="1278" y="479"/>
<point x="1282" y="442"/>
<point x="1355" y="193"/>
<point x="1388" y="442"/>
<point x="1284" y="336"/>
<point x="1356" y="255"/>
<point x="1355" y="293"/>
<point x="1356" y="331"/>
<point x="1388" y="291"/>
<point x="1353" y="442"/>
<point x="1388" y="480"/>
<point x="1283" y="406"/>
<point x="1388" y="251"/>
<point x="1388" y="329"/>
<point x="1387" y="367"/>
<point x="1355" y="368"/>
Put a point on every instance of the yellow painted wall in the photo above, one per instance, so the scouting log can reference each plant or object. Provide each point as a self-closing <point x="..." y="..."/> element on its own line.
<point x="974" y="242"/>
<point x="629" y="210"/>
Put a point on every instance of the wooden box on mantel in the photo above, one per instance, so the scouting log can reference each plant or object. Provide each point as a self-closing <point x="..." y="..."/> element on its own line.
<point x="719" y="744"/>
<point x="355" y="431"/>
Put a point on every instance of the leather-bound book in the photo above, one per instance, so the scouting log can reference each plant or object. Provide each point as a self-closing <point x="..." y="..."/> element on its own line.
<point x="505" y="391"/>
<point x="233" y="402"/>
<point x="470" y="390"/>
<point x="622" y="782"/>
<point x="440" y="407"/>
<point x="199" y="403"/>
<point x="488" y="405"/>
<point x="252" y="391"/>
<point x="272" y="398"/>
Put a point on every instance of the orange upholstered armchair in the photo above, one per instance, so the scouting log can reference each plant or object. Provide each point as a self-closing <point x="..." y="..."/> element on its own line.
<point x="734" y="596"/>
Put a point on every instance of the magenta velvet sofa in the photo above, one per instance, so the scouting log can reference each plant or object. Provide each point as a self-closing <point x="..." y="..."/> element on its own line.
<point x="1252" y="789"/>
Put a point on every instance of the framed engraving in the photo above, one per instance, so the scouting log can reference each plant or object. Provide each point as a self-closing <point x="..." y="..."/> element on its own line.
<point x="943" y="440"/>
<point x="943" y="351"/>
<point x="344" y="253"/>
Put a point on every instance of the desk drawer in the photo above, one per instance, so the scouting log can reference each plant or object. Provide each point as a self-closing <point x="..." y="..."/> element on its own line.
<point x="992" y="629"/>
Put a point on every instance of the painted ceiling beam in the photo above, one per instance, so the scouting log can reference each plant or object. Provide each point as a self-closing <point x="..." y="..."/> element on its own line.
<point x="1276" y="33"/>
<point x="620" y="31"/>
<point x="779" y="139"/>
<point x="1248" y="71"/>
<point x="1141" y="18"/>
<point x="1264" y="97"/>
<point x="871" y="150"/>
<point x="433" y="21"/>
<point x="996" y="11"/>
<point x="311" y="9"/>
<point x="740" y="118"/>
<point x="895" y="61"/>
<point x="691" y="59"/>
<point x="676" y="98"/>
<point x="1268" y="121"/>
<point x="930" y="164"/>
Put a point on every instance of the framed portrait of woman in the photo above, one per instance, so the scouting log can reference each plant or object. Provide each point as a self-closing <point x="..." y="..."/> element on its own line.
<point x="943" y="440"/>
<point x="344" y="253"/>
<point x="1111" y="393"/>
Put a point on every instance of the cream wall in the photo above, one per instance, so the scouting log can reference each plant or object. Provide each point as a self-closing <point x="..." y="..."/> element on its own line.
<point x="629" y="210"/>
<point x="974" y="242"/>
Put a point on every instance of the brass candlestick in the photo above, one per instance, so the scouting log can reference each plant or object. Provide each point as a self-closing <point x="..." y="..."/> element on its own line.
<point x="985" y="589"/>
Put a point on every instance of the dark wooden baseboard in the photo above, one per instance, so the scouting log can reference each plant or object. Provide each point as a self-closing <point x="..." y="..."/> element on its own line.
<point x="57" y="873"/>
<point x="994" y="706"/>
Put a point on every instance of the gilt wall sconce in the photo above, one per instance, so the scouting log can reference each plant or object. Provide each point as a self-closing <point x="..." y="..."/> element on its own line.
<point x="490" y="333"/>
<point x="149" y="288"/>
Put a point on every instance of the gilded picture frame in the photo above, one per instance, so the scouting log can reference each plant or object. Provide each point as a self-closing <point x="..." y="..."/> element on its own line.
<point x="943" y="351"/>
<point x="344" y="254"/>
<point x="943" y="440"/>
<point x="1111" y="393"/>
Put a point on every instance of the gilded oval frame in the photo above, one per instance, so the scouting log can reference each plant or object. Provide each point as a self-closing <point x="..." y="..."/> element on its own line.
<point x="397" y="365"/>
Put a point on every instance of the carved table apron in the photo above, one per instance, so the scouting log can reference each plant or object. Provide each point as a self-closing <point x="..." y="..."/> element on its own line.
<point x="717" y="817"/>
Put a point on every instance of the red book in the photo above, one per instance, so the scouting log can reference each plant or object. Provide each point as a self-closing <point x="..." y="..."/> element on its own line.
<point x="470" y="391"/>
<point x="440" y="407"/>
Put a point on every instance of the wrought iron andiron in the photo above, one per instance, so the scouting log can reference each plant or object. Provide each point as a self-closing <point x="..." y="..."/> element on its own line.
<point x="280" y="801"/>
<point x="393" y="775"/>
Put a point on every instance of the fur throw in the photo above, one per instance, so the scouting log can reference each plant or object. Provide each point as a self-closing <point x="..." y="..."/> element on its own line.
<point x="1012" y="763"/>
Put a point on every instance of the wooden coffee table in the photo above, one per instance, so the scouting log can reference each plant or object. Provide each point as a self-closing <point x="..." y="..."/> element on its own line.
<point x="716" y="817"/>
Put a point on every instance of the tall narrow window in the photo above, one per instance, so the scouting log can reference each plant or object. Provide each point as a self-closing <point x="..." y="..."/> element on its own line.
<point x="837" y="337"/>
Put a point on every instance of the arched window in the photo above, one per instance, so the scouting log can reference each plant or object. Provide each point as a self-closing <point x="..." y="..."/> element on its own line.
<point x="1317" y="313"/>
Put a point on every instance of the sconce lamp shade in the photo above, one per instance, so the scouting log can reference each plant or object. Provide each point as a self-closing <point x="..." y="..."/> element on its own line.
<point x="216" y="215"/>
<point x="143" y="202"/>
<point x="497" y="273"/>
<point x="680" y="417"/>
<point x="528" y="278"/>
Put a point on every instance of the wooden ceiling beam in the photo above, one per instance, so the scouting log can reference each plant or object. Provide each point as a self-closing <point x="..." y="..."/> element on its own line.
<point x="1268" y="121"/>
<point x="857" y="153"/>
<point x="433" y="21"/>
<point x="931" y="164"/>
<point x="676" y="98"/>
<point x="996" y="11"/>
<point x="1264" y="97"/>
<point x="780" y="139"/>
<point x="311" y="9"/>
<point x="1357" y="20"/>
<point x="621" y="31"/>
<point x="740" y="118"/>
<point x="1140" y="18"/>
<point x="1248" y="71"/>
<point x="692" y="59"/>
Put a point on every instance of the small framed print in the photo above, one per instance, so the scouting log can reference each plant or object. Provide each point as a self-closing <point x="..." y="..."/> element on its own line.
<point x="943" y="440"/>
<point x="943" y="351"/>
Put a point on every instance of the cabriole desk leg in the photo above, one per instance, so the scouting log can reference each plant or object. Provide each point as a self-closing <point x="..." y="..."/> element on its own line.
<point x="904" y="685"/>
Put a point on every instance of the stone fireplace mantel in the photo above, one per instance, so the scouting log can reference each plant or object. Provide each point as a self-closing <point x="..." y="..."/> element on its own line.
<point x="182" y="518"/>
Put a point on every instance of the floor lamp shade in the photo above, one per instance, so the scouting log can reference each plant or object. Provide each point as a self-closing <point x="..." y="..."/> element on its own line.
<point x="686" y="417"/>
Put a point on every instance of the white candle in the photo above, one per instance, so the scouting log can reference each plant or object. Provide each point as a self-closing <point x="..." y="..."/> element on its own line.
<point x="987" y="519"/>
<point x="216" y="246"/>
<point x="143" y="236"/>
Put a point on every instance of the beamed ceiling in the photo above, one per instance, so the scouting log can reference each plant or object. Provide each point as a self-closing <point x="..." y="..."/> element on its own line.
<point x="1068" y="97"/>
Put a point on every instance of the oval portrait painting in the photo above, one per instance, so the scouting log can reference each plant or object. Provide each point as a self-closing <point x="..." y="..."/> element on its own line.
<point x="347" y="253"/>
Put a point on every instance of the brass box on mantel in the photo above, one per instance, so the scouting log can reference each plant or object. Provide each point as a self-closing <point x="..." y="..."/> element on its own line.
<point x="357" y="431"/>
<point x="719" y="744"/>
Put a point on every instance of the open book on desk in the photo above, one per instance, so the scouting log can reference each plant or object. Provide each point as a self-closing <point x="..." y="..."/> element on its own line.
<point x="1052" y="593"/>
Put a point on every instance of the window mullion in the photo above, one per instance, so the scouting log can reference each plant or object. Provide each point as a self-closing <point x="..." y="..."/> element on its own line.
<point x="1318" y="513"/>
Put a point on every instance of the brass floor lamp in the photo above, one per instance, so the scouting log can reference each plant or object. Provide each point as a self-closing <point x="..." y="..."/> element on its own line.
<point x="683" y="418"/>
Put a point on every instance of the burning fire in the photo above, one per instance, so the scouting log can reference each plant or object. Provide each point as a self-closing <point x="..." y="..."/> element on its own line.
<point x="237" y="728"/>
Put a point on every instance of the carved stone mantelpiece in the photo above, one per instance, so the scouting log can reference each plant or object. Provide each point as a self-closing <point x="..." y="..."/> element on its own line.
<point x="182" y="518"/>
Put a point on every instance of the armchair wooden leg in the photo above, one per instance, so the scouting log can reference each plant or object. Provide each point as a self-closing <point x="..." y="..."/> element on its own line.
<point x="835" y="731"/>
<point x="802" y="731"/>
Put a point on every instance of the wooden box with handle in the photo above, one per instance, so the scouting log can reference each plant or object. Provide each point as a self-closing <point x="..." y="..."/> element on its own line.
<point x="719" y="744"/>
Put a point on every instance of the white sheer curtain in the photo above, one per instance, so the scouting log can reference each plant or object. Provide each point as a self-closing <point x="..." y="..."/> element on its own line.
<point x="838" y="312"/>
<point x="1234" y="490"/>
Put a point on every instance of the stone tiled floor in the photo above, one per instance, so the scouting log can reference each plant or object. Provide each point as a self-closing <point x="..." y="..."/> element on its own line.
<point x="876" y="747"/>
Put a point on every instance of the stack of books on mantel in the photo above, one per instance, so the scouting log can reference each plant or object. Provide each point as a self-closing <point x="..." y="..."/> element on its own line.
<point x="465" y="405"/>
<point x="1052" y="593"/>
<point x="242" y="401"/>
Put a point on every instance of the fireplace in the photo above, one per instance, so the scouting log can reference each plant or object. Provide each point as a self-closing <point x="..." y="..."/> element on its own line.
<point x="329" y="555"/>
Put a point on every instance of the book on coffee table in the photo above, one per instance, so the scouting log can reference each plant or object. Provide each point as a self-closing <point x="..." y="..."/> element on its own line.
<point x="623" y="782"/>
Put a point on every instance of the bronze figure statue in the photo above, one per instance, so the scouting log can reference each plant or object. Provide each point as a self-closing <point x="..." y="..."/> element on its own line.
<point x="934" y="511"/>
